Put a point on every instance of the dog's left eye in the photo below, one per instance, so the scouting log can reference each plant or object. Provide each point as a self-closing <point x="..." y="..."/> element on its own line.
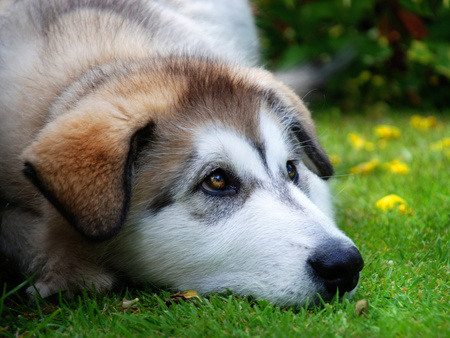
<point x="218" y="183"/>
<point x="292" y="171"/>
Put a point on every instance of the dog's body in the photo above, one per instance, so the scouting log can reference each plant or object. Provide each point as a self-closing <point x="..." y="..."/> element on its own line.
<point x="135" y="142"/>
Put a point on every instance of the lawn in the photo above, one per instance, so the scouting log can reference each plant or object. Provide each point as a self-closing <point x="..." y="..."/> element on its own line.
<point x="405" y="248"/>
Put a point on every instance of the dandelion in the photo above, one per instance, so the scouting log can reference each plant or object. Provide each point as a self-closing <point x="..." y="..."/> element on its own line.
<point x="391" y="201"/>
<point x="423" y="123"/>
<point x="405" y="210"/>
<point x="386" y="132"/>
<point x="440" y="145"/>
<point x="396" y="167"/>
<point x="356" y="140"/>
<point x="365" y="167"/>
<point x="335" y="159"/>
<point x="359" y="142"/>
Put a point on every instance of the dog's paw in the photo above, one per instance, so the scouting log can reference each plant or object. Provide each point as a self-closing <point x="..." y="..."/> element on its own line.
<point x="42" y="290"/>
<point x="68" y="279"/>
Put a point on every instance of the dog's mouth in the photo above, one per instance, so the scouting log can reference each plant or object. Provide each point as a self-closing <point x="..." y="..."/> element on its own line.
<point x="342" y="285"/>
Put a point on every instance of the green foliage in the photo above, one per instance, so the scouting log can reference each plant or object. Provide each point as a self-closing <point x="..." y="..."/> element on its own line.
<point x="401" y="50"/>
<point x="405" y="278"/>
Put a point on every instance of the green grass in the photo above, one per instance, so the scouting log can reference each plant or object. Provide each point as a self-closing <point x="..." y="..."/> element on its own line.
<point x="405" y="279"/>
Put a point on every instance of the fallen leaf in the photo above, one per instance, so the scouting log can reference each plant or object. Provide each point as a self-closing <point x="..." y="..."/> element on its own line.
<point x="185" y="296"/>
<point x="126" y="304"/>
<point x="362" y="307"/>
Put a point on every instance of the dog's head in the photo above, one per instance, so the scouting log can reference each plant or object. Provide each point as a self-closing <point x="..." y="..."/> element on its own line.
<point x="214" y="173"/>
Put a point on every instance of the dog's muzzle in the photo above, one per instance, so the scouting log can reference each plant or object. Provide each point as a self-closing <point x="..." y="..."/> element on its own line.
<point x="338" y="266"/>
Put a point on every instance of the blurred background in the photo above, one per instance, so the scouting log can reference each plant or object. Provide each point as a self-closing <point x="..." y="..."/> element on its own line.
<point x="377" y="55"/>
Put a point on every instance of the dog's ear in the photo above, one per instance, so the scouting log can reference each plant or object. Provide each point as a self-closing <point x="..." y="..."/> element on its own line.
<point x="318" y="160"/>
<point x="82" y="163"/>
<point x="298" y="118"/>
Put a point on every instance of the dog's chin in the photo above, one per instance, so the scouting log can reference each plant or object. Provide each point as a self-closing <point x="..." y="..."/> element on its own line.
<point x="316" y="298"/>
<point x="306" y="296"/>
<point x="326" y="297"/>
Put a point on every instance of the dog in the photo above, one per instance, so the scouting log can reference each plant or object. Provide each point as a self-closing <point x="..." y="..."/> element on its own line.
<point x="140" y="140"/>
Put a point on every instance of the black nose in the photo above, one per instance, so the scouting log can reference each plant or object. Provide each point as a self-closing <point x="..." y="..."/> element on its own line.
<point x="338" y="266"/>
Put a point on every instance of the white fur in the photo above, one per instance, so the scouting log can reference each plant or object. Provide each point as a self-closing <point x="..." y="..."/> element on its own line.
<point x="262" y="249"/>
<point x="275" y="143"/>
<point x="227" y="147"/>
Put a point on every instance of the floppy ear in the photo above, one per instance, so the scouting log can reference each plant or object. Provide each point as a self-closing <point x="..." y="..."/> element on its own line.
<point x="82" y="163"/>
<point x="299" y="121"/>
<point x="319" y="162"/>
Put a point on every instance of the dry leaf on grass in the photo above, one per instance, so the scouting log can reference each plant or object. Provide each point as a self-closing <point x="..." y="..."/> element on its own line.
<point x="362" y="307"/>
<point x="126" y="304"/>
<point x="186" y="296"/>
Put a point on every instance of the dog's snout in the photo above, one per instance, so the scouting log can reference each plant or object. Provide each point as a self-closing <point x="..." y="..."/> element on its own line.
<point x="338" y="266"/>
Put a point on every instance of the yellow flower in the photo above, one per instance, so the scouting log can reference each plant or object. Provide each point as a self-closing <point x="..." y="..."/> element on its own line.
<point x="359" y="142"/>
<point x="391" y="201"/>
<point x="423" y="123"/>
<point x="356" y="140"/>
<point x="335" y="159"/>
<point x="405" y="210"/>
<point x="387" y="132"/>
<point x="396" y="167"/>
<point x="365" y="167"/>
<point x="441" y="145"/>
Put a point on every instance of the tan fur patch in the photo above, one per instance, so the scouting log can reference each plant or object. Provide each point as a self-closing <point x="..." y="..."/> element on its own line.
<point x="80" y="161"/>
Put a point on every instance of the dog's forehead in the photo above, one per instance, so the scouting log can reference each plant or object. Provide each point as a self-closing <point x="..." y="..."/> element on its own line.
<point x="231" y="120"/>
<point x="265" y="148"/>
<point x="275" y="140"/>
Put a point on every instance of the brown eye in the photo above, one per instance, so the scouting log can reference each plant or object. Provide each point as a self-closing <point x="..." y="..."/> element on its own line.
<point x="219" y="183"/>
<point x="292" y="171"/>
<point x="214" y="181"/>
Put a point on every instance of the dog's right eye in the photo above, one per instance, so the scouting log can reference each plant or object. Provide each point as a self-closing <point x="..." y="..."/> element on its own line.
<point x="292" y="171"/>
<point x="218" y="184"/>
